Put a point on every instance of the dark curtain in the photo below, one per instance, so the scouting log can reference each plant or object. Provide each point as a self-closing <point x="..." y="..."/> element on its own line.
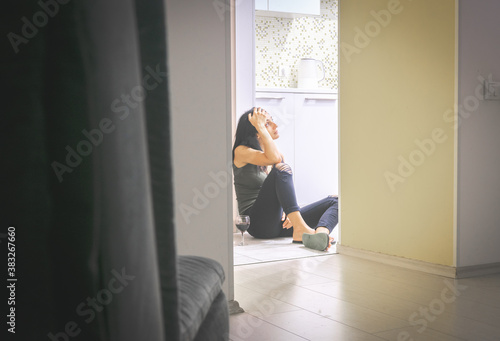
<point x="86" y="170"/>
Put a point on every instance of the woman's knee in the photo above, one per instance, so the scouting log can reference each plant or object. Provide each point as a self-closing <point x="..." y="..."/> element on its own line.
<point x="284" y="167"/>
<point x="333" y="200"/>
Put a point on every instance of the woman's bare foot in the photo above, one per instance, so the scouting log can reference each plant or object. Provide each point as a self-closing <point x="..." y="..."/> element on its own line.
<point x="322" y="229"/>
<point x="299" y="226"/>
<point x="297" y="234"/>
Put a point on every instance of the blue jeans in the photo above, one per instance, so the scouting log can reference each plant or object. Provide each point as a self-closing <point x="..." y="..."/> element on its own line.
<point x="277" y="195"/>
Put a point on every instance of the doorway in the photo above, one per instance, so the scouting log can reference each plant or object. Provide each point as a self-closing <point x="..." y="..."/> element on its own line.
<point x="268" y="48"/>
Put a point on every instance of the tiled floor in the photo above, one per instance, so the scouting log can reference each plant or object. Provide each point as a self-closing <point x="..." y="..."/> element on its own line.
<point x="268" y="250"/>
<point x="337" y="297"/>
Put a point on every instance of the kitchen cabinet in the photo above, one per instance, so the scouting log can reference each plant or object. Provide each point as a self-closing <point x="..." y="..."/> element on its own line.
<point x="287" y="7"/>
<point x="261" y="5"/>
<point x="316" y="146"/>
<point x="308" y="128"/>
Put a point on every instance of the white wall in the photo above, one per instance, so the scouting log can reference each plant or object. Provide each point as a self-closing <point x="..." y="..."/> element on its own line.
<point x="199" y="75"/>
<point x="478" y="223"/>
<point x="244" y="54"/>
<point x="199" y="67"/>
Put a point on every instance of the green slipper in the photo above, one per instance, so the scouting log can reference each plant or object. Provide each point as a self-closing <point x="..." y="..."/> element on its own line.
<point x="316" y="241"/>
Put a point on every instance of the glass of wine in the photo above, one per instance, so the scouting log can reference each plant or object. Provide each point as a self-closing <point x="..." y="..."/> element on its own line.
<point x="242" y="223"/>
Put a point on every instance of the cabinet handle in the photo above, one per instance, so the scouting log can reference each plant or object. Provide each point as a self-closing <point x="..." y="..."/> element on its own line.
<point x="270" y="97"/>
<point x="320" y="98"/>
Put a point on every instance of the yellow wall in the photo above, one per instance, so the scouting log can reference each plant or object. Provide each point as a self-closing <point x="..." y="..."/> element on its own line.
<point x="396" y="85"/>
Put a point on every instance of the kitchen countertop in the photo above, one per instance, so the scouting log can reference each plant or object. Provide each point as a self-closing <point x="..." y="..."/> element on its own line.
<point x="299" y="90"/>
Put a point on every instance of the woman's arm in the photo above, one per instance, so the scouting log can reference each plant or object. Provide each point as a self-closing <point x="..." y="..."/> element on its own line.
<point x="244" y="155"/>
<point x="259" y="120"/>
<point x="270" y="154"/>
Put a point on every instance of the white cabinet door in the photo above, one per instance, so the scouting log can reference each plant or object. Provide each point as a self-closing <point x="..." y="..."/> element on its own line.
<point x="281" y="106"/>
<point x="311" y="7"/>
<point x="308" y="127"/>
<point x="316" y="147"/>
<point x="261" y="5"/>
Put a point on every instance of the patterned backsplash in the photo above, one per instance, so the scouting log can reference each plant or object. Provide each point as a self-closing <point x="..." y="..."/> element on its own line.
<point x="284" y="41"/>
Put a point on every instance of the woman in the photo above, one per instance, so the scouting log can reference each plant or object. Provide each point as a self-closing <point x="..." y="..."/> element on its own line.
<point x="269" y="198"/>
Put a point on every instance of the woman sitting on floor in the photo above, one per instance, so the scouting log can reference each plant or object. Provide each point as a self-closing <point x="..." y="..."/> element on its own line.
<point x="269" y="198"/>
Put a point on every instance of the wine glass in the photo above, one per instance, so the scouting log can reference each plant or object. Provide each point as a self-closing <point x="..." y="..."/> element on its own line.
<point x="242" y="223"/>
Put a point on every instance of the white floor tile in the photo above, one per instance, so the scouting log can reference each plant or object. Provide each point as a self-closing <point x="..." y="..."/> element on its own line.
<point x="314" y="327"/>
<point x="269" y="250"/>
<point x="250" y="328"/>
<point x="259" y="304"/>
<point x="336" y="297"/>
<point x="338" y="310"/>
<point x="410" y="334"/>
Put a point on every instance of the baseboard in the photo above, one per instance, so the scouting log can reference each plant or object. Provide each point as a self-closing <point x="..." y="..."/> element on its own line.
<point x="478" y="270"/>
<point x="411" y="264"/>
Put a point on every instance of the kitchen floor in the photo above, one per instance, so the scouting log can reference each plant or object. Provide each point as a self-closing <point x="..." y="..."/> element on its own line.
<point x="337" y="297"/>
<point x="270" y="250"/>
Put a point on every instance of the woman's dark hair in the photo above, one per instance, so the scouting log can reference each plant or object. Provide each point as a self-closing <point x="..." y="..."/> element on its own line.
<point x="246" y="134"/>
